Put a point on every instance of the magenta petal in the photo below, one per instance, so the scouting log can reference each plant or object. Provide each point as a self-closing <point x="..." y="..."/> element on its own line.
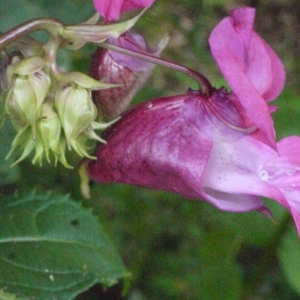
<point x="116" y="68"/>
<point x="235" y="202"/>
<point x="234" y="170"/>
<point x="135" y="42"/>
<point x="216" y="118"/>
<point x="264" y="68"/>
<point x="288" y="149"/>
<point x="250" y="66"/>
<point x="136" y="4"/>
<point x="153" y="146"/>
<point x="284" y="173"/>
<point x="293" y="196"/>
<point x="111" y="10"/>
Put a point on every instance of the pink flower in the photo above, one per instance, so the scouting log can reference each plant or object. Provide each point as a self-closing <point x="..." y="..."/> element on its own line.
<point x="167" y="143"/>
<point x="161" y="145"/>
<point x="212" y="147"/>
<point x="250" y="66"/>
<point x="122" y="69"/>
<point x="111" y="10"/>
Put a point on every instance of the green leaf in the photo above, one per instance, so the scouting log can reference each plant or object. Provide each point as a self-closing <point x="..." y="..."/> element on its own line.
<point x="52" y="248"/>
<point x="289" y="256"/>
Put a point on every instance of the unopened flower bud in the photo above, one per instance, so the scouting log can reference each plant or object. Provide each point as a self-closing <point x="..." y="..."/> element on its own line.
<point x="29" y="84"/>
<point x="77" y="112"/>
<point x="49" y="139"/>
<point x="122" y="69"/>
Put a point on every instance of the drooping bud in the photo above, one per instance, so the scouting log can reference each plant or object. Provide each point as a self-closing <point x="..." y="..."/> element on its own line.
<point x="29" y="84"/>
<point x="77" y="112"/>
<point x="122" y="69"/>
<point x="49" y="139"/>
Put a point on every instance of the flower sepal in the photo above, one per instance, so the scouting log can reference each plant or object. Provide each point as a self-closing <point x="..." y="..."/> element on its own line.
<point x="85" y="81"/>
<point x="78" y="35"/>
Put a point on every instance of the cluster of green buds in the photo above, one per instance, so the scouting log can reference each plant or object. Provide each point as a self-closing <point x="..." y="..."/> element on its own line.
<point x="52" y="111"/>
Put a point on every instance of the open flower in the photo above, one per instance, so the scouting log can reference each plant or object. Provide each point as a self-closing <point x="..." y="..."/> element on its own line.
<point x="211" y="147"/>
<point x="167" y="143"/>
<point x="215" y="157"/>
<point x="111" y="10"/>
<point x="131" y="73"/>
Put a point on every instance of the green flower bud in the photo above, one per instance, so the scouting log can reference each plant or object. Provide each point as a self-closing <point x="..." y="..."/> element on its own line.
<point x="77" y="112"/>
<point x="29" y="85"/>
<point x="49" y="138"/>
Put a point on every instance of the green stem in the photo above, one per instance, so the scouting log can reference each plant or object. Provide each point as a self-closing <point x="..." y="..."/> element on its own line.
<point x="270" y="254"/>
<point x="50" y="25"/>
<point x="207" y="88"/>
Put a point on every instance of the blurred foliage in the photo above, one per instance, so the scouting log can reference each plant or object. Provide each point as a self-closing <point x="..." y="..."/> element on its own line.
<point x="175" y="248"/>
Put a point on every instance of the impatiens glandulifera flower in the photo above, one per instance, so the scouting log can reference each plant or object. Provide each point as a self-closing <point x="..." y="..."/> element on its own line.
<point x="252" y="69"/>
<point x="111" y="10"/>
<point x="121" y="69"/>
<point x="210" y="146"/>
<point x="161" y="145"/>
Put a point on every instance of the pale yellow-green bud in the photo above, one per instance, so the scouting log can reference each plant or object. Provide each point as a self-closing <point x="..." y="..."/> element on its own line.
<point x="47" y="142"/>
<point x="49" y="139"/>
<point x="77" y="112"/>
<point x="29" y="84"/>
<point x="48" y="131"/>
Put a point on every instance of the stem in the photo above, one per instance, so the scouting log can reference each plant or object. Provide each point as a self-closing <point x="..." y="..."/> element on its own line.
<point x="50" y="25"/>
<point x="266" y="260"/>
<point x="207" y="88"/>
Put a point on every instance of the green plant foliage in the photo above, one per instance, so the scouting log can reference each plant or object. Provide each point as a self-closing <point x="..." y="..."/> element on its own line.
<point x="7" y="296"/>
<point x="289" y="254"/>
<point x="52" y="248"/>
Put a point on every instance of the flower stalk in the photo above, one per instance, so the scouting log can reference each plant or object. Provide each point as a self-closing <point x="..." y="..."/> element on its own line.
<point x="52" y="26"/>
<point x="204" y="85"/>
